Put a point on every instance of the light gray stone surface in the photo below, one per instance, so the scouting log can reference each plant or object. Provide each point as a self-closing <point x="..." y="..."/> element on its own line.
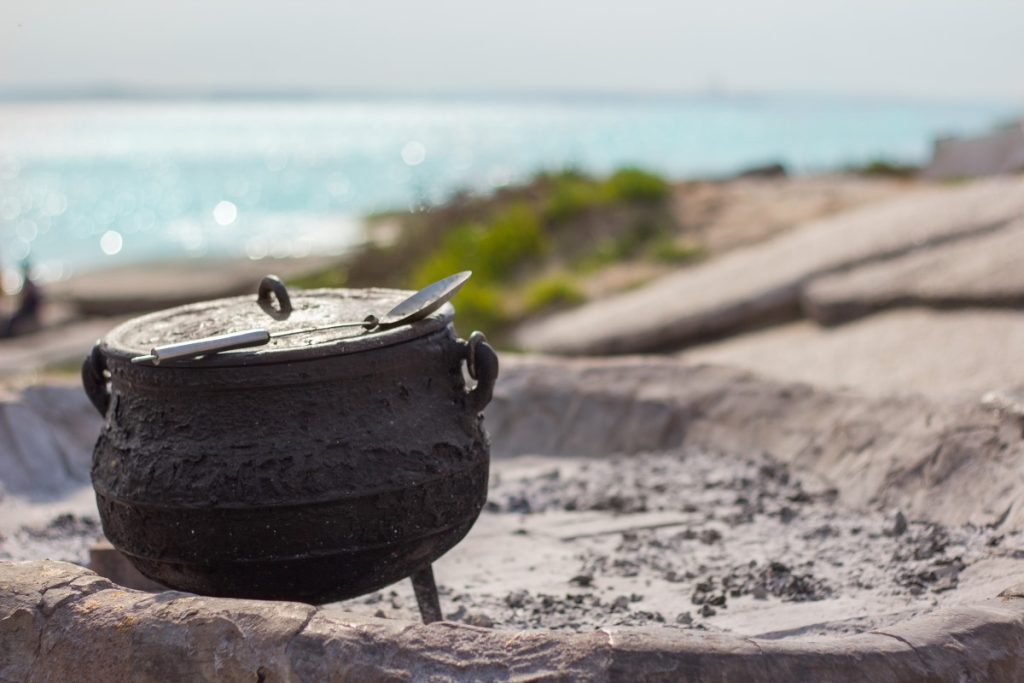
<point x="940" y="354"/>
<point x="46" y="437"/>
<point x="984" y="272"/>
<point x="761" y="285"/>
<point x="61" y="622"/>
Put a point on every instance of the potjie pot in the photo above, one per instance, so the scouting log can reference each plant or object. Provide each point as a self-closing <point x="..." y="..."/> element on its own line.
<point x="319" y="467"/>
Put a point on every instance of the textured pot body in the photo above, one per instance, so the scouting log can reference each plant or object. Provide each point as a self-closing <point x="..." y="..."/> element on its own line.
<point x="313" y="479"/>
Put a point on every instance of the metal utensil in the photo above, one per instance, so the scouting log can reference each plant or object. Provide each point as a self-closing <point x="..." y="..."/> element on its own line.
<point x="416" y="307"/>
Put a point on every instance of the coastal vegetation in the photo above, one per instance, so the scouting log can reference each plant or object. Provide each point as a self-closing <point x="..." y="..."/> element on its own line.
<point x="534" y="248"/>
<point x="885" y="168"/>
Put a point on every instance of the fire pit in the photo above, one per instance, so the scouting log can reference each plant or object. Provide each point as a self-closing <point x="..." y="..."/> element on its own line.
<point x="634" y="443"/>
<point x="318" y="467"/>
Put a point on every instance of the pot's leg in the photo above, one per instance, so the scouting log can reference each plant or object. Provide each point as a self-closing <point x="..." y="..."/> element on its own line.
<point x="426" y="594"/>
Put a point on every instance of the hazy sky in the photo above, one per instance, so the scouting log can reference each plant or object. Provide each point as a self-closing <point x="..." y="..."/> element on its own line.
<point x="949" y="49"/>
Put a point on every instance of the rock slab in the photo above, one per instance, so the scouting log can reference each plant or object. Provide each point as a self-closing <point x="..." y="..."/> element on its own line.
<point x="761" y="284"/>
<point x="985" y="272"/>
<point x="939" y="354"/>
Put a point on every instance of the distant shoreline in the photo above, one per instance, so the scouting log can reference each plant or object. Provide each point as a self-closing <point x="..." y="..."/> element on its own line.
<point x="15" y="95"/>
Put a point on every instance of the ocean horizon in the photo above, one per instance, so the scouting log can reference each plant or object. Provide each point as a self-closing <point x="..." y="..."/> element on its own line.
<point x="93" y="183"/>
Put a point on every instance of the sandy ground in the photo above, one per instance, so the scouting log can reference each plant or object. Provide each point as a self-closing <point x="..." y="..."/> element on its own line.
<point x="57" y="528"/>
<point x="697" y="540"/>
<point x="681" y="540"/>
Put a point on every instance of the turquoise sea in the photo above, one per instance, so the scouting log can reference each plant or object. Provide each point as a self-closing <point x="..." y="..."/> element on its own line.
<point x="87" y="184"/>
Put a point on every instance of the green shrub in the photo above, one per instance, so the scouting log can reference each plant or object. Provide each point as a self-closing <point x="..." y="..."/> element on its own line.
<point x="332" y="277"/>
<point x="605" y="253"/>
<point x="480" y="307"/>
<point x="556" y="291"/>
<point x="513" y="237"/>
<point x="569" y="173"/>
<point x="641" y="231"/>
<point x="492" y="250"/>
<point x="883" y="168"/>
<point x="571" y="193"/>
<point x="622" y="247"/>
<point x="668" y="250"/>
<point x="636" y="185"/>
<point x="570" y="196"/>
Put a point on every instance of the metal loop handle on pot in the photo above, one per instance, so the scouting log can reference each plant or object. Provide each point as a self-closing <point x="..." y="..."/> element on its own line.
<point x="94" y="379"/>
<point x="272" y="284"/>
<point x="482" y="363"/>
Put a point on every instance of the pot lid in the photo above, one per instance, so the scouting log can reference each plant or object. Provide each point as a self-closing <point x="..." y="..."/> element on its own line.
<point x="301" y="309"/>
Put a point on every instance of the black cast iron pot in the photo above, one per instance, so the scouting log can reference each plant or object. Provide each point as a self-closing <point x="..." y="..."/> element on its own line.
<point x="317" y="468"/>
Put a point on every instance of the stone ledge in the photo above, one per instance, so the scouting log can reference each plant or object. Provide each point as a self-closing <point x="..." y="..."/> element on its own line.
<point x="61" y="622"/>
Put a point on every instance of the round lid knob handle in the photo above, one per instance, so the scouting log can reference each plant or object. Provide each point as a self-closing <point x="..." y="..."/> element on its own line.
<point x="272" y="284"/>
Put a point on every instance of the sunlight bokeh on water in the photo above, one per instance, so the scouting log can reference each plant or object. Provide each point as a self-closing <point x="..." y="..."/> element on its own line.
<point x="87" y="184"/>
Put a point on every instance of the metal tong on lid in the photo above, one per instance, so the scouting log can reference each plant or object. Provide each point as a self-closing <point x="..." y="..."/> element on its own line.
<point x="416" y="307"/>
